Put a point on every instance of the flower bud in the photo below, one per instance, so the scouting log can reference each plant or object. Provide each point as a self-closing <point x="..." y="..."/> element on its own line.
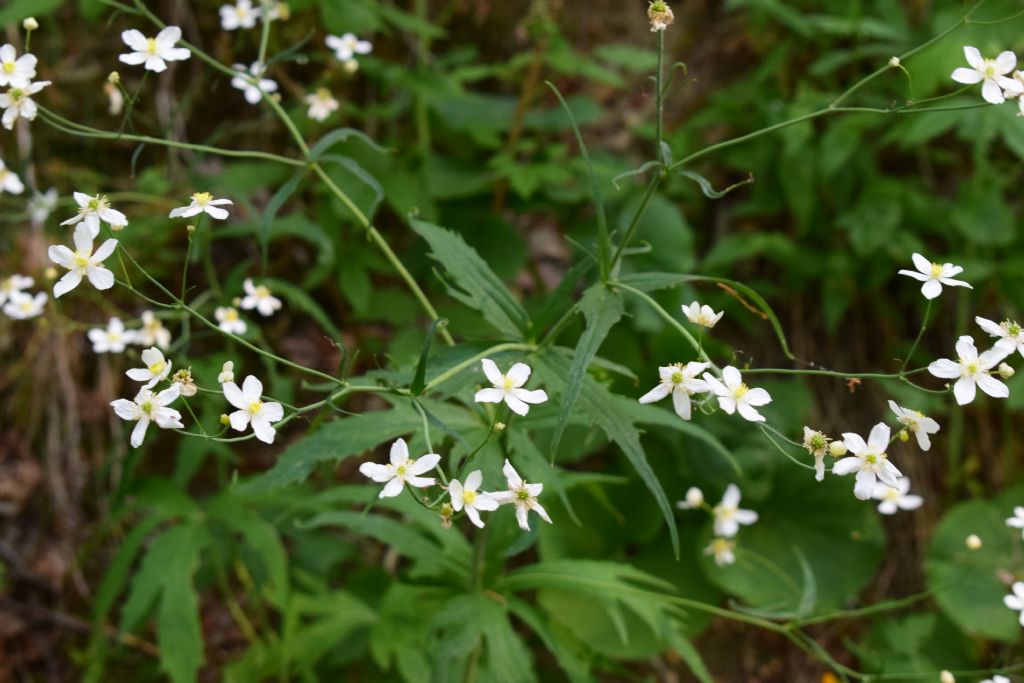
<point x="904" y="436"/>
<point x="225" y="420"/>
<point x="117" y="228"/>
<point x="837" y="449"/>
<point x="446" y="516"/>
<point x="1005" y="371"/>
<point x="236" y="302"/>
<point x="350" y="65"/>
<point x="660" y="15"/>
<point x="499" y="426"/>
<point x="894" y="62"/>
<point x="694" y="499"/>
<point x="973" y="542"/>
<point x="114" y="78"/>
<point x="946" y="677"/>
<point x="30" y="24"/>
<point x="50" y="273"/>
<point x="190" y="229"/>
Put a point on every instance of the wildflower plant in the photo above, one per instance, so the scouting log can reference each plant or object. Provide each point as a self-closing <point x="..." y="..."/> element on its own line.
<point x="491" y="544"/>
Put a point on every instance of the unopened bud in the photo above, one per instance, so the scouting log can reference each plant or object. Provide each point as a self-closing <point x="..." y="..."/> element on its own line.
<point x="1005" y="371"/>
<point x="660" y="15"/>
<point x="350" y="65"/>
<point x="236" y="302"/>
<point x="190" y="229"/>
<point x="894" y="62"/>
<point x="837" y="449"/>
<point x="114" y="78"/>
<point x="694" y="499"/>
<point x="50" y="273"/>
<point x="946" y="677"/>
<point x="30" y="24"/>
<point x="499" y="426"/>
<point x="973" y="542"/>
<point x="904" y="436"/>
<point x="446" y="516"/>
<point x="225" y="420"/>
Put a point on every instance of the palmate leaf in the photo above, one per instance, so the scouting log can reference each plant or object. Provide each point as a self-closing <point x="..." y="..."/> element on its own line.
<point x="602" y="409"/>
<point x="475" y="284"/>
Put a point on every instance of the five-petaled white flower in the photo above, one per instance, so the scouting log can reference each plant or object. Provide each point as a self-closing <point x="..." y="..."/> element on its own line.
<point x="94" y="209"/>
<point x="112" y="339"/>
<point x="21" y="306"/>
<point x="348" y="46"/>
<point x="694" y="499"/>
<point x="1017" y="521"/>
<point x="18" y="102"/>
<point x="522" y="495"/>
<point x="12" y="285"/>
<point x="227" y="372"/>
<point x="251" y="408"/>
<point x="240" y="15"/>
<point x="722" y="550"/>
<point x="816" y="444"/>
<point x="41" y="205"/>
<point x="15" y="71"/>
<point x="82" y="261"/>
<point x="1016" y="600"/>
<point x="704" y="315"/>
<point x="916" y="422"/>
<point x="401" y="470"/>
<point x="896" y="498"/>
<point x="149" y="407"/>
<point x="9" y="180"/>
<point x="228" y="320"/>
<point x="321" y="104"/>
<point x="508" y="388"/>
<point x="934" y="275"/>
<point x="153" y="332"/>
<point x="202" y="202"/>
<point x="735" y="396"/>
<point x="156" y="369"/>
<point x="682" y="382"/>
<point x="971" y="371"/>
<point x="1009" y="333"/>
<point x="260" y="298"/>
<point x="992" y="72"/>
<point x="153" y="52"/>
<point x="869" y="460"/>
<point x="251" y="82"/>
<point x="469" y="496"/>
<point x="729" y="516"/>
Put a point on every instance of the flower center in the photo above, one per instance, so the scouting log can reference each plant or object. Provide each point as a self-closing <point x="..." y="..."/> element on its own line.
<point x="151" y="46"/>
<point x="17" y="95"/>
<point x="255" y="407"/>
<point x="740" y="391"/>
<point x="26" y="305"/>
<point x="973" y="368"/>
<point x="81" y="260"/>
<point x="231" y="315"/>
<point x="469" y="497"/>
<point x="721" y="545"/>
<point x="96" y="204"/>
<point x="677" y="378"/>
<point x="507" y="384"/>
<point x="871" y="459"/>
<point x="522" y="494"/>
<point x="1013" y="329"/>
<point x="157" y="367"/>
<point x="147" y="407"/>
<point x="402" y="470"/>
<point x="936" y="270"/>
<point x="990" y="68"/>
<point x="202" y="198"/>
<point x="262" y="292"/>
<point x="9" y="67"/>
<point x="818" y="442"/>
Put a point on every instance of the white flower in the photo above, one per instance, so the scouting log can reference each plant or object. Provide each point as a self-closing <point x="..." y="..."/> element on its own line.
<point x="149" y="407"/>
<point x="896" y="498"/>
<point x="41" y="205"/>
<point x="156" y="370"/>
<point x="251" y="408"/>
<point x="251" y="83"/>
<point x="227" y="373"/>
<point x="729" y="516"/>
<point x="321" y="104"/>
<point x="1017" y="521"/>
<point x="347" y="46"/>
<point x="702" y="315"/>
<point x="1009" y="332"/>
<point x="681" y="381"/>
<point x="734" y="395"/>
<point x="816" y="444"/>
<point x="94" y="209"/>
<point x="153" y="332"/>
<point x="228" y="320"/>
<point x="240" y="15"/>
<point x="467" y="496"/>
<point x="946" y="677"/>
<point x="722" y="549"/>
<point x="869" y="461"/>
<point x="18" y="102"/>
<point x="260" y="298"/>
<point x="202" y="202"/>
<point x="997" y="678"/>
<point x="521" y="494"/>
<point x="15" y="71"/>
<point x="917" y="423"/>
<point x="992" y="72"/>
<point x="934" y="275"/>
<point x="1016" y="601"/>
<point x="153" y="52"/>
<point x="14" y="285"/>
<point x="9" y="180"/>
<point x="971" y="371"/>
<point x="973" y="542"/>
<point x="115" y="98"/>
<point x="401" y="470"/>
<point x="113" y="339"/>
<point x="694" y="499"/>
<point x="508" y="388"/>
<point x="21" y="306"/>
<point x="82" y="261"/>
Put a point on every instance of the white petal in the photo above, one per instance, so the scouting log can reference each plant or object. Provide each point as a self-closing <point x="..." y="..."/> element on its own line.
<point x="656" y="394"/>
<point x="489" y="395"/>
<point x="964" y="390"/>
<point x="966" y="76"/>
<point x="492" y="372"/>
<point x="399" y="452"/>
<point x="931" y="289"/>
<point x="878" y="439"/>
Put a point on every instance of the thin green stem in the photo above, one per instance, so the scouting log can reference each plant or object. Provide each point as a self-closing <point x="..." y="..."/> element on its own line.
<point x="833" y="373"/>
<point x="658" y="96"/>
<point x="634" y="223"/>
<point x="469" y="362"/>
<point x="701" y="354"/>
<point x="264" y="35"/>
<point x="917" y="340"/>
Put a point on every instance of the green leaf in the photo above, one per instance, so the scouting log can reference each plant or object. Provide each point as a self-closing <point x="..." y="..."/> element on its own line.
<point x="301" y="300"/>
<point x="336" y="440"/>
<point x="419" y="379"/>
<point x="601" y="308"/>
<point x="353" y="167"/>
<point x="708" y="189"/>
<point x="273" y="206"/>
<point x="340" y="135"/>
<point x="477" y="285"/>
<point x="17" y="10"/>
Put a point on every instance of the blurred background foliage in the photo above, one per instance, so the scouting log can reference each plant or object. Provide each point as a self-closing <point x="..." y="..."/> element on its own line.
<point x="191" y="560"/>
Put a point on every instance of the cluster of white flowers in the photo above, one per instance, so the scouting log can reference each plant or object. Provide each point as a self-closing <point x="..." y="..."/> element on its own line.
<point x="16" y="302"/>
<point x="115" y="337"/>
<point x="16" y="74"/>
<point x="727" y="516"/>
